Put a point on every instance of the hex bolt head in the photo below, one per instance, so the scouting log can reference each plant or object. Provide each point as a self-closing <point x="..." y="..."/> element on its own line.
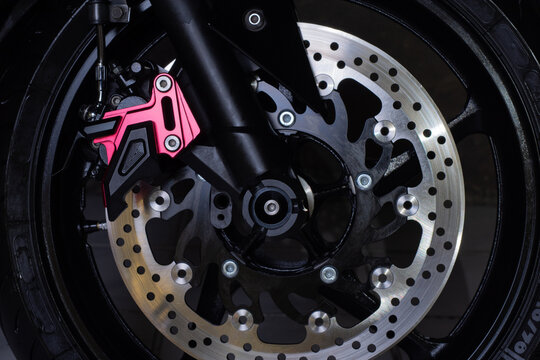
<point x="172" y="143"/>
<point x="287" y="118"/>
<point x="364" y="181"/>
<point x="329" y="274"/>
<point x="163" y="83"/>
<point x="229" y="269"/>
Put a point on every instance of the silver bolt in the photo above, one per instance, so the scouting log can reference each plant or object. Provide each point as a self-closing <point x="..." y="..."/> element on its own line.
<point x="271" y="207"/>
<point x="172" y="143"/>
<point x="329" y="274"/>
<point x="382" y="278"/>
<point x="254" y="18"/>
<point x="115" y="100"/>
<point x="159" y="200"/>
<point x="407" y="205"/>
<point x="229" y="269"/>
<point x="164" y="83"/>
<point x="364" y="181"/>
<point x="287" y="118"/>
<point x="319" y="322"/>
<point x="242" y="320"/>
<point x="182" y="273"/>
<point x="384" y="131"/>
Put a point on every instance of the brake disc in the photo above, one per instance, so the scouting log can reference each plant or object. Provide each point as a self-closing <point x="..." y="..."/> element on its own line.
<point x="436" y="204"/>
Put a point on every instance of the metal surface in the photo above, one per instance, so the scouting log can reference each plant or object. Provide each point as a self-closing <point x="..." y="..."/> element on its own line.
<point x="168" y="101"/>
<point x="406" y="294"/>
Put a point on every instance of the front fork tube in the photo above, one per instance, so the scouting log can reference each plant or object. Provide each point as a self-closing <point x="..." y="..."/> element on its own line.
<point x="220" y="89"/>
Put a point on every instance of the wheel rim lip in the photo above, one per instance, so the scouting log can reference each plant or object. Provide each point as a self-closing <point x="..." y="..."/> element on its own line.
<point x="12" y="174"/>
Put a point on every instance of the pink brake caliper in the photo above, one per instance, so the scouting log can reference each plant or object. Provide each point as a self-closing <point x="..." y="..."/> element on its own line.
<point x="173" y="122"/>
<point x="133" y="137"/>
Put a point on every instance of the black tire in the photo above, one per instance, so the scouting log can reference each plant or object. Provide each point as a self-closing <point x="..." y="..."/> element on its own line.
<point x="39" y="317"/>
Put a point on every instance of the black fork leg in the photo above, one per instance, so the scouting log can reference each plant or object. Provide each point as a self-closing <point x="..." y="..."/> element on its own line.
<point x="222" y="90"/>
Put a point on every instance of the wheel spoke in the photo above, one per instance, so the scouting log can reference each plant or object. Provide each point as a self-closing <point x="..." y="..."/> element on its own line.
<point x="468" y="122"/>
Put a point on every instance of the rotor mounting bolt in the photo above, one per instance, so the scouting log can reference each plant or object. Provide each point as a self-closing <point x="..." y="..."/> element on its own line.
<point x="182" y="273"/>
<point x="254" y="20"/>
<point x="164" y="83"/>
<point x="384" y="131"/>
<point x="242" y="320"/>
<point x="329" y="274"/>
<point x="407" y="205"/>
<point x="382" y="278"/>
<point x="159" y="200"/>
<point x="172" y="143"/>
<point x="319" y="322"/>
<point x="364" y="181"/>
<point x="230" y="269"/>
<point x="287" y="118"/>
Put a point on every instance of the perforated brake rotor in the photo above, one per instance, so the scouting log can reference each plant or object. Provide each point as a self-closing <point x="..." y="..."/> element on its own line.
<point x="406" y="294"/>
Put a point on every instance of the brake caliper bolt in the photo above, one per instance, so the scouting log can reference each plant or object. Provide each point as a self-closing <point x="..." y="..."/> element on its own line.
<point x="364" y="181"/>
<point x="229" y="269"/>
<point x="287" y="118"/>
<point x="329" y="274"/>
<point x="172" y="143"/>
<point x="164" y="83"/>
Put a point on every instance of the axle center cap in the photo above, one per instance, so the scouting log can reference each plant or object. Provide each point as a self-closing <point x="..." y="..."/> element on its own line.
<point x="271" y="207"/>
